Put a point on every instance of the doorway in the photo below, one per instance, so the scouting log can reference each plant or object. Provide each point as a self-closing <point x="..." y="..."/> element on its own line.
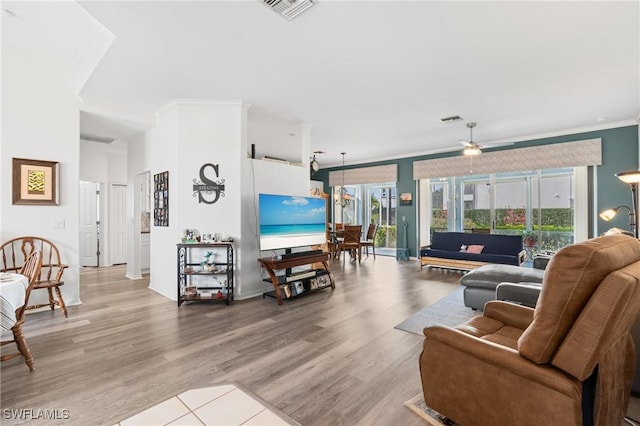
<point x="117" y="224"/>
<point x="381" y="208"/>
<point x="89" y="226"/>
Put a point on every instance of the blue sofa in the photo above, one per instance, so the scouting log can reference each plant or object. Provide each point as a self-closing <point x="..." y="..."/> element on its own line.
<point x="445" y="250"/>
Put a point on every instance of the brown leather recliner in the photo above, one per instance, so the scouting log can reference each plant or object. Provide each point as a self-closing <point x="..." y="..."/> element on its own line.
<point x="568" y="362"/>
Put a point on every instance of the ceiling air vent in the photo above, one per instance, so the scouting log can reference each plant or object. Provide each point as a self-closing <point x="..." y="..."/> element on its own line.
<point x="288" y="8"/>
<point x="450" y="119"/>
<point x="94" y="138"/>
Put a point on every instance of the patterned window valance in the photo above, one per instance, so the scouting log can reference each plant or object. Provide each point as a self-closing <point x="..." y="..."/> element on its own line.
<point x="375" y="174"/>
<point x="559" y="155"/>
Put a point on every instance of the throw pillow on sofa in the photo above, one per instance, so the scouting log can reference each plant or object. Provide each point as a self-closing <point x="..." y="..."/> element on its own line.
<point x="477" y="249"/>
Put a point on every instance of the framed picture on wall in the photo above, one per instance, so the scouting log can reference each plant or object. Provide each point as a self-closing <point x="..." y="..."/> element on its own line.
<point x="161" y="199"/>
<point x="406" y="199"/>
<point x="35" y="182"/>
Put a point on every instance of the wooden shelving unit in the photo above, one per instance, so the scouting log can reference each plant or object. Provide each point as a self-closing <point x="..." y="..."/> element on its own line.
<point x="297" y="284"/>
<point x="211" y="282"/>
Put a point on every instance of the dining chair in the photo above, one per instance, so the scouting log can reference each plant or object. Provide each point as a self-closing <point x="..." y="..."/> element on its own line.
<point x="15" y="252"/>
<point x="370" y="240"/>
<point x="351" y="241"/>
<point x="332" y="244"/>
<point x="31" y="270"/>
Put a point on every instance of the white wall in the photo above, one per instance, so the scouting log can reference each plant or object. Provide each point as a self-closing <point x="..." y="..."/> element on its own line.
<point x="189" y="134"/>
<point x="268" y="177"/>
<point x="40" y="120"/>
<point x="137" y="163"/>
<point x="104" y="163"/>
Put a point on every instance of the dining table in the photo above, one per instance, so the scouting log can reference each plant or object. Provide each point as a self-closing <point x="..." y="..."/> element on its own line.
<point x="13" y="292"/>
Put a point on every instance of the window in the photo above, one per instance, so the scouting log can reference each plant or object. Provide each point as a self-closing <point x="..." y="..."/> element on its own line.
<point x="508" y="203"/>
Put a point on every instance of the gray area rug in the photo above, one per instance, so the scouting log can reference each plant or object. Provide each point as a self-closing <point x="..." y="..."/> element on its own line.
<point x="449" y="311"/>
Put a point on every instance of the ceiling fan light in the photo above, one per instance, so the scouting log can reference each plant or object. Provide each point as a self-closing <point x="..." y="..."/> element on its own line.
<point x="471" y="151"/>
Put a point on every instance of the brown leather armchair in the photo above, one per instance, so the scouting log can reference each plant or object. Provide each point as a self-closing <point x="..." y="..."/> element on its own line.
<point x="568" y="362"/>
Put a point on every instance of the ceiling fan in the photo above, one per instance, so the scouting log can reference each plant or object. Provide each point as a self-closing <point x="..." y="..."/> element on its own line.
<point x="470" y="147"/>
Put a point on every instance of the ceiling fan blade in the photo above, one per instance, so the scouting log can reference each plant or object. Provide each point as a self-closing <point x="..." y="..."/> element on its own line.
<point x="465" y="143"/>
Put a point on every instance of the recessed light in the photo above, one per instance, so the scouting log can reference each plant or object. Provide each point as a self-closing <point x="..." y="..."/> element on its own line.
<point x="599" y="119"/>
<point x="291" y="134"/>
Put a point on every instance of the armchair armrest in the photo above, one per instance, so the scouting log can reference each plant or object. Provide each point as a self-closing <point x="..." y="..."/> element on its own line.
<point x="509" y="314"/>
<point x="486" y="359"/>
<point x="61" y="271"/>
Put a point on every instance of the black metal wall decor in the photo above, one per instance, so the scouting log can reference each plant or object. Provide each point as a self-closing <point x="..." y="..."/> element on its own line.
<point x="208" y="189"/>
<point x="161" y="199"/>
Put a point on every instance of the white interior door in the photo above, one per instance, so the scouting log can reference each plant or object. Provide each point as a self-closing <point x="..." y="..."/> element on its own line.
<point x="117" y="224"/>
<point x="88" y="224"/>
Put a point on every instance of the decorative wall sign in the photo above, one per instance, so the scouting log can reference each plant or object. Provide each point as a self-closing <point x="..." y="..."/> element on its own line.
<point x="161" y="199"/>
<point x="208" y="189"/>
<point x="35" y="182"/>
<point x="406" y="199"/>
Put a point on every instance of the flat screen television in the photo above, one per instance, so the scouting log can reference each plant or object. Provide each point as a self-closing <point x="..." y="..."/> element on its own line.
<point x="288" y="221"/>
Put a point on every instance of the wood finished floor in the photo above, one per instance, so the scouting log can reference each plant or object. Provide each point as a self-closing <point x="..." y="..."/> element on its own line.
<point x="330" y="358"/>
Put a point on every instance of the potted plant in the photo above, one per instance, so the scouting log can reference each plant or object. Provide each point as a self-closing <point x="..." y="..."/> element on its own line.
<point x="529" y="237"/>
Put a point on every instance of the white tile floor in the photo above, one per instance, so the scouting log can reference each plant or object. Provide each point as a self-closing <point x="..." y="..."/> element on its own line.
<point x="219" y="405"/>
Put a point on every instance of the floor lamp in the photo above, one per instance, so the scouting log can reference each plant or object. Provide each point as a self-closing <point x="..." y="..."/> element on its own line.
<point x="632" y="178"/>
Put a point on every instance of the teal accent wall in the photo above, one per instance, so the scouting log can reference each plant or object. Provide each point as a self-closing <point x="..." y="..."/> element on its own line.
<point x="619" y="153"/>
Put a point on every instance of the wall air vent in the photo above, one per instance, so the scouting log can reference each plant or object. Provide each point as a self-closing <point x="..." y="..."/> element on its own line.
<point x="288" y="8"/>
<point x="94" y="138"/>
<point x="450" y="119"/>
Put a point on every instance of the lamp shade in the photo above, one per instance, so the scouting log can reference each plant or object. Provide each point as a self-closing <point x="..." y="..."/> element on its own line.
<point x="609" y="214"/>
<point x="629" y="177"/>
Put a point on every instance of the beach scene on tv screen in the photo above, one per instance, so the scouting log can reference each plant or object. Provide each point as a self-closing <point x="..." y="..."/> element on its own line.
<point x="291" y="221"/>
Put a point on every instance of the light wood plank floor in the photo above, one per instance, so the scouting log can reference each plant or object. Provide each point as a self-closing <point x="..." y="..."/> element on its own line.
<point x="330" y="358"/>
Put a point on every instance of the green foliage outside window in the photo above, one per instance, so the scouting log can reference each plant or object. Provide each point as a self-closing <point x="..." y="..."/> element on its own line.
<point x="556" y="230"/>
<point x="381" y="236"/>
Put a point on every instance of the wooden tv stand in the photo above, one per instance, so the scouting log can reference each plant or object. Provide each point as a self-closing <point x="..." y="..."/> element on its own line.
<point x="272" y="265"/>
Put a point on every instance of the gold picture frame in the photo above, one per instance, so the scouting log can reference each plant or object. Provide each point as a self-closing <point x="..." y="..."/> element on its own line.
<point x="35" y="182"/>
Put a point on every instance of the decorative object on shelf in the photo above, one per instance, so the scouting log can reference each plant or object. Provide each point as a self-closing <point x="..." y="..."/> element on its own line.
<point x="208" y="264"/>
<point x="633" y="179"/>
<point x="190" y="236"/>
<point x="529" y="237"/>
<point x="35" y="182"/>
<point x="207" y="190"/>
<point x="161" y="199"/>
